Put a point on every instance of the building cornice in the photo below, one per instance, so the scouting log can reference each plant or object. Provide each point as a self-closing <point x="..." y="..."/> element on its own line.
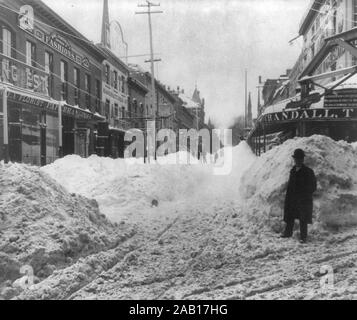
<point x="309" y="15"/>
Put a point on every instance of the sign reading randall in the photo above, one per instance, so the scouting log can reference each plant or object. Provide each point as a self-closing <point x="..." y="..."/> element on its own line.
<point x="312" y="114"/>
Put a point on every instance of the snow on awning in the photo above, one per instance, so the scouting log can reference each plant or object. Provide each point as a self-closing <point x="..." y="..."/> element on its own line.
<point x="350" y="83"/>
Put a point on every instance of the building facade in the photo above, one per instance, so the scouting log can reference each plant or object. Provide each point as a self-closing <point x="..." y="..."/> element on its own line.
<point x="137" y="102"/>
<point x="51" y="85"/>
<point x="320" y="93"/>
<point x="322" y="20"/>
<point x="115" y="98"/>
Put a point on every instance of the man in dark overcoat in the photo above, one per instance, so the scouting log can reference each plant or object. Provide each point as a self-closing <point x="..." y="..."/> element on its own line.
<point x="298" y="199"/>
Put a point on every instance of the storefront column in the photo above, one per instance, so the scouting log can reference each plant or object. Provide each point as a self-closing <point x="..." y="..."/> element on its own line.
<point x="60" y="140"/>
<point x="5" y="125"/>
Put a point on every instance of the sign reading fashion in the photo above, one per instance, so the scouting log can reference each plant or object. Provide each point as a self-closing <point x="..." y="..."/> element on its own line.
<point x="61" y="45"/>
<point x="54" y="40"/>
<point x="312" y="114"/>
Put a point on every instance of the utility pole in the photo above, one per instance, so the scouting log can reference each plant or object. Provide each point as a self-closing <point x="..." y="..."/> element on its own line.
<point x="149" y="12"/>
<point x="259" y="106"/>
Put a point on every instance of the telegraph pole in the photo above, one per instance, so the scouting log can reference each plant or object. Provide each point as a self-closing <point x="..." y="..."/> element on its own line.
<point x="149" y="12"/>
<point x="259" y="102"/>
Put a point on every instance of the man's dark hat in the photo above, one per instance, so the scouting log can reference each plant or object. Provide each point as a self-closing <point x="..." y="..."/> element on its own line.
<point x="299" y="154"/>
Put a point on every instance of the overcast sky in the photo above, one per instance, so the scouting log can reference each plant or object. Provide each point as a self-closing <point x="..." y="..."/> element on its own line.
<point x="208" y="42"/>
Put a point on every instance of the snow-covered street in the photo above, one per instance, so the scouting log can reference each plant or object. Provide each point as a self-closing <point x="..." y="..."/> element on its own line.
<point x="210" y="237"/>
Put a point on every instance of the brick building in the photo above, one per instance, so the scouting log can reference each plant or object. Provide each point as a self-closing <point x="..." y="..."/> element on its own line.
<point x="50" y="85"/>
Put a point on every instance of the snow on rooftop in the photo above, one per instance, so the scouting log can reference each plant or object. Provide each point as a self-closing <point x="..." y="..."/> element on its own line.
<point x="188" y="102"/>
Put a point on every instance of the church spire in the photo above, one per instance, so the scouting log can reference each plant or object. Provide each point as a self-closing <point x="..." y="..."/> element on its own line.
<point x="196" y="96"/>
<point x="105" y="40"/>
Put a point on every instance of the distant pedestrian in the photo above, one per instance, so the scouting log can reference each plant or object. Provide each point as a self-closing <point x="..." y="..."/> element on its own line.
<point x="298" y="200"/>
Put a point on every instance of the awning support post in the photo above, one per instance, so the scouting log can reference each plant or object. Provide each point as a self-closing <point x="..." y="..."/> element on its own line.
<point x="60" y="142"/>
<point x="5" y="125"/>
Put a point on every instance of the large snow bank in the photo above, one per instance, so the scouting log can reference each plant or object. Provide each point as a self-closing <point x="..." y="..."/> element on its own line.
<point x="125" y="188"/>
<point x="43" y="225"/>
<point x="263" y="185"/>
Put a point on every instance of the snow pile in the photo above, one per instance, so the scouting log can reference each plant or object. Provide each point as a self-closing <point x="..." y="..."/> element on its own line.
<point x="125" y="189"/>
<point x="264" y="184"/>
<point x="44" y="226"/>
<point x="211" y="244"/>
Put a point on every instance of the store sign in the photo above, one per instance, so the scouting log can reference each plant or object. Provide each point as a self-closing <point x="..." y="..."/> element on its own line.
<point x="76" y="113"/>
<point x="346" y="98"/>
<point x="22" y="98"/>
<point x="49" y="106"/>
<point x="21" y="76"/>
<point x="305" y="102"/>
<point x="54" y="40"/>
<point x="312" y="114"/>
<point x="61" y="45"/>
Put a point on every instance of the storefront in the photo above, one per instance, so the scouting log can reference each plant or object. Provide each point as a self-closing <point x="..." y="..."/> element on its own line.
<point x="33" y="128"/>
<point x="34" y="131"/>
<point x="79" y="131"/>
<point x="334" y="116"/>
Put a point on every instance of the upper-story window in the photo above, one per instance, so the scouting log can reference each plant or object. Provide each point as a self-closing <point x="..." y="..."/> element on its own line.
<point x="87" y="87"/>
<point x="122" y="84"/>
<point x="107" y="74"/>
<point x="77" y="84"/>
<point x="30" y="53"/>
<point x="334" y="22"/>
<point x="98" y="96"/>
<point x="64" y="79"/>
<point x="6" y="42"/>
<point x="107" y="108"/>
<point x="49" y="70"/>
<point x="115" y="80"/>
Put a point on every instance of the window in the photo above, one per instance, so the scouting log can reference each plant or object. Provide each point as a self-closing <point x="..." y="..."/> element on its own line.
<point x="6" y="42"/>
<point x="49" y="71"/>
<point x="64" y="80"/>
<point x="77" y="84"/>
<point x="354" y="17"/>
<point x="136" y="108"/>
<point x="122" y="84"/>
<point x="123" y="112"/>
<point x="107" y="108"/>
<point x="334" y="22"/>
<point x="107" y="74"/>
<point x="30" y="53"/>
<point x="115" y="80"/>
<point x="98" y="95"/>
<point x="116" y="110"/>
<point x="87" y="87"/>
